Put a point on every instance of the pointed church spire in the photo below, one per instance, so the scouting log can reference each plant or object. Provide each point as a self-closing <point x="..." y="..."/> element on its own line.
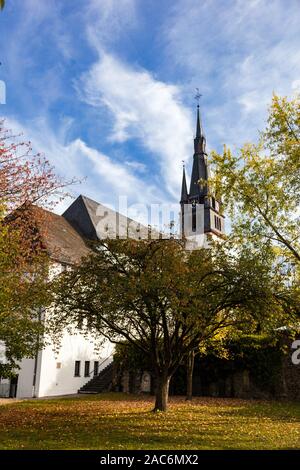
<point x="199" y="141"/>
<point x="184" y="193"/>
<point x="198" y="128"/>
<point x="199" y="170"/>
<point x="198" y="200"/>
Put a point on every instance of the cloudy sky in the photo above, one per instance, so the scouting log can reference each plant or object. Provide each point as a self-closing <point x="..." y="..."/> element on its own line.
<point x="105" y="88"/>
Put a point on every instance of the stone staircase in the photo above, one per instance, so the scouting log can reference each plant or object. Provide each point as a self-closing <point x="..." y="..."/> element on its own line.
<point x="99" y="383"/>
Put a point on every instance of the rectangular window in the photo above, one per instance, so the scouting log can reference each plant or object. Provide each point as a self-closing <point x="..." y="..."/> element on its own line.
<point x="87" y="368"/>
<point x="218" y="223"/>
<point x="77" y="369"/>
<point x="96" y="367"/>
<point x="194" y="219"/>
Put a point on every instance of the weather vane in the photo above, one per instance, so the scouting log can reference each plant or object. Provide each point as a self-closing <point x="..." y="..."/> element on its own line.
<point x="183" y="163"/>
<point x="197" y="96"/>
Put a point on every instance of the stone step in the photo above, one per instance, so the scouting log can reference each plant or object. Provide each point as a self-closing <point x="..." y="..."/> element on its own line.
<point x="99" y="383"/>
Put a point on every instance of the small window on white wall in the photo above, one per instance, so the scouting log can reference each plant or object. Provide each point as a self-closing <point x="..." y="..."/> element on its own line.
<point x="87" y="368"/>
<point x="96" y="367"/>
<point x="77" y="369"/>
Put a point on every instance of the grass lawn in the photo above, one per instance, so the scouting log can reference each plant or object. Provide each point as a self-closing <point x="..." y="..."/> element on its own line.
<point x="119" y="421"/>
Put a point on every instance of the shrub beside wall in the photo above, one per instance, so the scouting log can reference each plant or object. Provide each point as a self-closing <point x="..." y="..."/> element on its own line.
<point x="255" y="366"/>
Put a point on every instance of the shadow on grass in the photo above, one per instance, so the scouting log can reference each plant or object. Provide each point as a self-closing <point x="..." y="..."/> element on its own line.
<point x="121" y="421"/>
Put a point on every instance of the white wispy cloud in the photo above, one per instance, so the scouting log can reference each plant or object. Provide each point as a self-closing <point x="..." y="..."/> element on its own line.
<point x="103" y="179"/>
<point x="140" y="167"/>
<point x="36" y="84"/>
<point x="103" y="176"/>
<point x="108" y="20"/>
<point x="238" y="53"/>
<point x="142" y="108"/>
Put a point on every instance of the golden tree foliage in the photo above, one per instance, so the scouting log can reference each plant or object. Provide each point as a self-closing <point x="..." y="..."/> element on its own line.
<point x="260" y="185"/>
<point x="25" y="179"/>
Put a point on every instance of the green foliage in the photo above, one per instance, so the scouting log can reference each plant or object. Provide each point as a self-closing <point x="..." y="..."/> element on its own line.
<point x="23" y="294"/>
<point x="260" y="185"/>
<point x="127" y="357"/>
<point x="25" y="180"/>
<point x="261" y="355"/>
<point x="166" y="302"/>
<point x="2" y="4"/>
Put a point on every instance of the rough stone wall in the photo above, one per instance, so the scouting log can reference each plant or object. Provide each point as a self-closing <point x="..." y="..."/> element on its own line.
<point x="236" y="382"/>
<point x="136" y="382"/>
<point x="291" y="377"/>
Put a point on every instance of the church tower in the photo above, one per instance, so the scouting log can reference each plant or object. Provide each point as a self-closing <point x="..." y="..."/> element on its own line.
<point x="200" y="212"/>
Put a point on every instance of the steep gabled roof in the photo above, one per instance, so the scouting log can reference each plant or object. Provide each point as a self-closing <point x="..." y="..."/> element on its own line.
<point x="79" y="215"/>
<point x="96" y="221"/>
<point x="59" y="238"/>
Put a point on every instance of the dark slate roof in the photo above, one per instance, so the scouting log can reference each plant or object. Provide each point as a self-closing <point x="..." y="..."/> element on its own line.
<point x="61" y="241"/>
<point x="65" y="236"/>
<point x="79" y="216"/>
<point x="199" y="172"/>
<point x="200" y="169"/>
<point x="95" y="221"/>
<point x="184" y="193"/>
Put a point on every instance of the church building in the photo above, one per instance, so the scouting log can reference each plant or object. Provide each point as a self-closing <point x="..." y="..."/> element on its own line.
<point x="200" y="216"/>
<point x="76" y="363"/>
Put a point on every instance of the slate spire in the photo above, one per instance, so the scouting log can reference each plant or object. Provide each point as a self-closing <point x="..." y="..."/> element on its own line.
<point x="199" y="141"/>
<point x="199" y="170"/>
<point x="184" y="193"/>
<point x="198" y="128"/>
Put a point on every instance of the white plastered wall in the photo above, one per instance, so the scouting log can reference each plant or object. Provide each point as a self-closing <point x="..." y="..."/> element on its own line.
<point x="55" y="369"/>
<point x="61" y="381"/>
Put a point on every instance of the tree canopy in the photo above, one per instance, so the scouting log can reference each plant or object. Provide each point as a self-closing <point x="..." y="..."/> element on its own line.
<point x="25" y="179"/>
<point x="166" y="301"/>
<point x="260" y="185"/>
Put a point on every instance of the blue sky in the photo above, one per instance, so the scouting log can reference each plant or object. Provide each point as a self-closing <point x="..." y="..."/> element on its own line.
<point x="104" y="88"/>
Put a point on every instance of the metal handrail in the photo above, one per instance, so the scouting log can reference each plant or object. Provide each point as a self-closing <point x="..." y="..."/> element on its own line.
<point x="99" y="366"/>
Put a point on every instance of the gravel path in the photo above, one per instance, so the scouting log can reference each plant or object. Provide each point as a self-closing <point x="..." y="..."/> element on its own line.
<point x="8" y="401"/>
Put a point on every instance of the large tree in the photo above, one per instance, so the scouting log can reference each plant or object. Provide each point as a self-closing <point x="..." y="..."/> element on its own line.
<point x="165" y="301"/>
<point x="26" y="179"/>
<point x="23" y="294"/>
<point x="260" y="184"/>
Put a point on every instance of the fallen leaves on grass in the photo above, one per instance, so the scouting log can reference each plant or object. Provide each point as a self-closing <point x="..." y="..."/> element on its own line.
<point x="118" y="421"/>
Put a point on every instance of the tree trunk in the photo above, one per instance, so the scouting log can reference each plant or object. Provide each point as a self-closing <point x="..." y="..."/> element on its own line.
<point x="162" y="392"/>
<point x="189" y="375"/>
